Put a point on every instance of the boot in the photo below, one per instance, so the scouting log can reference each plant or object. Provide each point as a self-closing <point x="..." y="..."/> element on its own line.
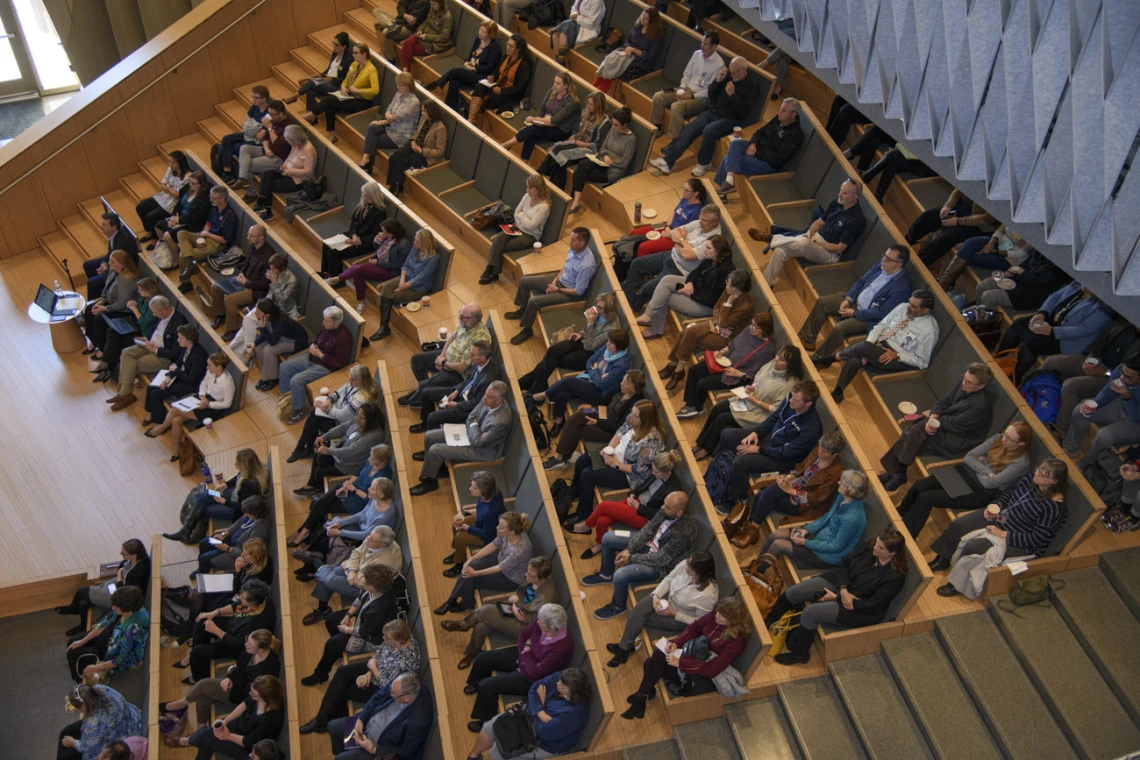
<point x="667" y="371"/>
<point x="749" y="534"/>
<point x="196" y="535"/>
<point x="950" y="275"/>
<point x="798" y="646"/>
<point x="475" y="112"/>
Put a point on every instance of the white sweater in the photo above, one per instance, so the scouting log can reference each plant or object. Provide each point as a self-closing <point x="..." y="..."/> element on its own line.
<point x="531" y="218"/>
<point x="220" y="388"/>
<point x="690" y="602"/>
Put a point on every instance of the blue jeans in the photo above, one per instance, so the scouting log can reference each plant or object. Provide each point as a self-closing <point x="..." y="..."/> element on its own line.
<point x="227" y="150"/>
<point x="739" y="162"/>
<point x="298" y="372"/>
<point x="705" y="125"/>
<point x="626" y="576"/>
<point x="214" y="510"/>
<point x="969" y="252"/>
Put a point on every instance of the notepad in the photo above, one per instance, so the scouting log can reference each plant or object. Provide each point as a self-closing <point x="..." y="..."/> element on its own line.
<point x="740" y="391"/>
<point x="159" y="378"/>
<point x="342" y="95"/>
<point x="216" y="583"/>
<point x="662" y="644"/>
<point x="214" y="541"/>
<point x="594" y="157"/>
<point x="456" y="435"/>
<point x="188" y="404"/>
<point x="622" y="533"/>
<point x="337" y="242"/>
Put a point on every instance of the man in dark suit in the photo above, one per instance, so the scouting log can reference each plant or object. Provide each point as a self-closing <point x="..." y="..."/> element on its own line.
<point x="396" y="721"/>
<point x="456" y="402"/>
<point x="157" y="354"/>
<point x="118" y="239"/>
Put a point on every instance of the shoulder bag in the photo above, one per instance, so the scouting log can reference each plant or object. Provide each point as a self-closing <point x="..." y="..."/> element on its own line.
<point x="766" y="585"/>
<point x="514" y="731"/>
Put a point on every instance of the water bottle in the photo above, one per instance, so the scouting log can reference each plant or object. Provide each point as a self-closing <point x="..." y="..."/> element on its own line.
<point x="57" y="287"/>
<point x="206" y="474"/>
<point x="637" y="213"/>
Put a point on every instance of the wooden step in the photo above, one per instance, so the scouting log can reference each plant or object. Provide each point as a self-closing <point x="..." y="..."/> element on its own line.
<point x="818" y="720"/>
<point x="310" y="59"/>
<point x="124" y="204"/>
<point x="322" y="38"/>
<point x="362" y="23"/>
<point x="154" y="168"/>
<point x="232" y="113"/>
<point x="92" y="209"/>
<point x="194" y="143"/>
<point x="214" y="129"/>
<point x="60" y="247"/>
<point x="289" y="74"/>
<point x="140" y="185"/>
<point x="761" y="730"/>
<point x="87" y="236"/>
<point x="877" y="709"/>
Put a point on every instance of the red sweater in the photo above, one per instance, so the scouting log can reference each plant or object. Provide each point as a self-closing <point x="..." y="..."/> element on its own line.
<point x="726" y="650"/>
<point x="543" y="658"/>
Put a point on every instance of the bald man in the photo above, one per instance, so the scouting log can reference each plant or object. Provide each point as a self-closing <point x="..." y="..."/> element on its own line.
<point x="229" y="294"/>
<point x="444" y="368"/>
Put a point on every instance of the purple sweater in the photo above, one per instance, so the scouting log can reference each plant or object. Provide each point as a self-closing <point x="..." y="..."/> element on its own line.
<point x="336" y="346"/>
<point x="543" y="658"/>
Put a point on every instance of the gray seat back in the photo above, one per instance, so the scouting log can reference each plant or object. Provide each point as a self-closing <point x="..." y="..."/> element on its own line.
<point x="466" y="148"/>
<point x="813" y="163"/>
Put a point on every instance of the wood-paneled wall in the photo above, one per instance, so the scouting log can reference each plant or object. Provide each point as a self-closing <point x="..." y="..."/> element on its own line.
<point x="84" y="147"/>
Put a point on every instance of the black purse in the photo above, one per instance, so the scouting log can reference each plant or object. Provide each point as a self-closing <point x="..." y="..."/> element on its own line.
<point x="696" y="649"/>
<point x="514" y="732"/>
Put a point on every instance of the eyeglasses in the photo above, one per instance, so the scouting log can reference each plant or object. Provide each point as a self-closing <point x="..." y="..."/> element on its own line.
<point x="893" y="261"/>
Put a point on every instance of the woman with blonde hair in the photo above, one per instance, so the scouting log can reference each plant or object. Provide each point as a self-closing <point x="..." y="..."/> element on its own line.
<point x="252" y="479"/>
<point x="338" y="407"/>
<point x="417" y="277"/>
<point x="586" y="139"/>
<point x="349" y="497"/>
<point x="498" y="566"/>
<point x="576" y="350"/>
<point x="555" y="119"/>
<point x="118" y="292"/>
<point x="362" y="228"/>
<point x="531" y="214"/>
<point x="482" y="61"/>
<point x="397" y="125"/>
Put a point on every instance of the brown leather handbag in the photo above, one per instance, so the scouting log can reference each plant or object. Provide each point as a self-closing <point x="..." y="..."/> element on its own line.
<point x="765" y="584"/>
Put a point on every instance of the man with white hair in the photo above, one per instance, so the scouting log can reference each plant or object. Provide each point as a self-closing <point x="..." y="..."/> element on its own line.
<point x="396" y="722"/>
<point x="328" y="352"/>
<point x="445" y="367"/>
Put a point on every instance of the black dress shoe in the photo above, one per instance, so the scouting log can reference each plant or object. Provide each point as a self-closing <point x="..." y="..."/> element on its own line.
<point x="515" y="315"/>
<point x="939" y="563"/>
<point x="449" y="606"/>
<point x="453" y="571"/>
<point x="306" y="491"/>
<point x="488" y="277"/>
<point x="424" y="486"/>
<point x="475" y="726"/>
<point x="179" y="536"/>
<point x="619" y="658"/>
<point x="471" y="688"/>
<point x="314" y="678"/>
<point x="419" y="427"/>
<point x="449" y="559"/>
<point x="793" y="658"/>
<point x="68" y="610"/>
<point x="418" y="456"/>
<point x="823" y="362"/>
<point x="317" y="725"/>
<point x="316" y="616"/>
<point x="948" y="590"/>
<point x="523" y="336"/>
<point x="293" y="457"/>
<point x="406" y="399"/>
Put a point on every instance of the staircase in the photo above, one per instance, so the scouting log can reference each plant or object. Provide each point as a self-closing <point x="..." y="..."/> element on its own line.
<point x="1056" y="681"/>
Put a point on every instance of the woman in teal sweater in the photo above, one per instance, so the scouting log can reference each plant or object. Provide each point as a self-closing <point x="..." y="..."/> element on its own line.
<point x="825" y="542"/>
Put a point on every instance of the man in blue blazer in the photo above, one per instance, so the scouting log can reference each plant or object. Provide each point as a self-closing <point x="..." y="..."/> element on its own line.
<point x="397" y="720"/>
<point x="871" y="298"/>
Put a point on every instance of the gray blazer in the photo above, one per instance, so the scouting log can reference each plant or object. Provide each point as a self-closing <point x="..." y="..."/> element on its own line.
<point x="490" y="438"/>
<point x="491" y="372"/>
<point x="259" y="529"/>
<point x="284" y="293"/>
<point x="350" y="453"/>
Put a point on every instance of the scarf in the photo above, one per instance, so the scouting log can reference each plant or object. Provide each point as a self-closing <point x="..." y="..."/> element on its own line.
<point x="607" y="357"/>
<point x="507" y="72"/>
<point x="383" y="248"/>
<point x="245" y="610"/>
<point x="421" y="132"/>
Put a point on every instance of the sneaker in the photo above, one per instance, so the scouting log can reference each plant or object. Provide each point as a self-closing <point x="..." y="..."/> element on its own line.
<point x="360" y="305"/>
<point x="596" y="579"/>
<point x="688" y="412"/>
<point x="726" y="188"/>
<point x="609" y="611"/>
<point x="554" y="463"/>
<point x="661" y="165"/>
<point x="700" y="170"/>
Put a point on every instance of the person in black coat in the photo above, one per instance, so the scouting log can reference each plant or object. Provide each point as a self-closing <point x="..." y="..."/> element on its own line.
<point x="134" y="570"/>
<point x="363" y="227"/>
<point x="457" y="401"/>
<point x="364" y="618"/>
<point x="481" y="61"/>
<point x="183" y="377"/>
<point x="118" y="239"/>
<point x="329" y="81"/>
<point x="221" y="633"/>
<point x="190" y="213"/>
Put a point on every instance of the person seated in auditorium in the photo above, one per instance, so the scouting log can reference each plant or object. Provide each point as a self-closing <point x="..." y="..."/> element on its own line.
<point x="359" y="626"/>
<point x="344" y="449"/>
<point x="455" y="403"/>
<point x="104" y="717"/>
<point x="116" y="643"/>
<point x="139" y="314"/>
<point x="604" y="371"/>
<point x="260" y="716"/>
<point x="824" y="542"/>
<point x="499" y="566"/>
<point x="379" y="548"/>
<point x="477" y="527"/>
<point x="396" y="722"/>
<point x="360" y="85"/>
<point x="1030" y="283"/>
<point x="215" y="398"/>
<point x="1084" y="375"/>
<point x="390" y="248"/>
<point x="544" y="647"/>
<point x="597" y="424"/>
<point x="554" y="119"/>
<point x="772" y="384"/>
<point x="647" y="555"/>
<point x="162" y="204"/>
<point x="349" y="497"/>
<point x="1116" y="415"/>
<point x="574" y="352"/>
<point x="873" y="296"/>
<point x="327" y="353"/>
<point x="1067" y="323"/>
<point x="587" y="136"/>
<point x="229" y="148"/>
<point x="118" y="239"/>
<point x="183" y="376"/>
<point x="431" y="37"/>
<point x="506" y="86"/>
<point x="129" y="748"/>
<point x="340" y="407"/>
<point x="426" y="148"/>
<point x="686" y="594"/>
<point x="639" y="52"/>
<point x="537" y="589"/>
<point x="726" y="629"/>
<point x="644" y="500"/>
<point x="363" y="226"/>
<point x="333" y="540"/>
<point x="616" y="152"/>
<point x="694" y="197"/>
<point x="253" y="562"/>
<point x="260" y="657"/>
<point x="695" y="294"/>
<point x="955" y="424"/>
<point x="397" y="125"/>
<point x="118" y="291"/>
<point x="278" y="335"/>
<point x="999" y="252"/>
<point x="161" y="348"/>
<point x="221" y="633"/>
<point x="445" y="367"/>
<point x="904" y="340"/>
<point x="267" y="150"/>
<point x="190" y="212"/>
<point x="731" y="96"/>
<point x="255" y="521"/>
<point x="329" y="82"/>
<point x="832" y="231"/>
<point x="691" y="96"/>
<point x="482" y="61"/>
<point x="252" y="479"/>
<point x="955" y="222"/>
<point x="750" y="350"/>
<point x="778" y="444"/>
<point x="530" y="218"/>
<point x="807" y="491"/>
<point x="583" y="23"/>
<point x="1032" y="512"/>
<point x="417" y="274"/>
<point x="282" y="291"/>
<point x="730" y="315"/>
<point x="994" y="464"/>
<point x="895" y="161"/>
<point x="395" y="29"/>
<point x="134" y="570"/>
<point x="487" y="426"/>
<point x="358" y="680"/>
<point x="686" y="253"/>
<point x="217" y="235"/>
<point x="538" y="291"/>
<point x="770" y="147"/>
<point x="225" y="307"/>
<point x="297" y="167"/>
<point x="856" y="593"/>
<point x="558" y="708"/>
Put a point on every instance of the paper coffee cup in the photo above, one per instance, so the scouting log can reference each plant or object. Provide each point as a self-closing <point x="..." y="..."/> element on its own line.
<point x="219" y="723"/>
<point x="426" y="301"/>
<point x="608" y="451"/>
<point x="208" y="422"/>
<point x="1092" y="361"/>
<point x="1118" y="384"/>
<point x="443" y="333"/>
<point x="736" y="132"/>
<point x="249" y="347"/>
<point x="538" y="247"/>
<point x="325" y="391"/>
<point x="992" y="511"/>
<point x="932" y="426"/>
<point x="662" y="605"/>
<point x="680" y="91"/>
<point x="1089" y="405"/>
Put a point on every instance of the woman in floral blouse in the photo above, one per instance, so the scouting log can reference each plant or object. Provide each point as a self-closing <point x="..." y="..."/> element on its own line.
<point x="117" y="643"/>
<point x="104" y="716"/>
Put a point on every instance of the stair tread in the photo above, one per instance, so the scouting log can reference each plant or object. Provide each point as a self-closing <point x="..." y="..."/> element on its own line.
<point x="662" y="750"/>
<point x="937" y="699"/>
<point x="877" y="709"/>
<point x="290" y="71"/>
<point x="1102" y="622"/>
<point x="706" y="740"/>
<point x="124" y="204"/>
<point x="153" y="167"/>
<point x="310" y="57"/>
<point x="322" y="38"/>
<point x="60" y="246"/>
<point x="1071" y="684"/>
<point x="761" y="730"/>
<point x="819" y="721"/>
<point x="363" y="18"/>
<point x="1122" y="568"/>
<point x="140" y="184"/>
<point x="214" y="127"/>
<point x="86" y="235"/>
<point x="1018" y="719"/>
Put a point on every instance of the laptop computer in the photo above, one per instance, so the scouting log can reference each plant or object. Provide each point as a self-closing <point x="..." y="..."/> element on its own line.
<point x="56" y="305"/>
<point x="952" y="481"/>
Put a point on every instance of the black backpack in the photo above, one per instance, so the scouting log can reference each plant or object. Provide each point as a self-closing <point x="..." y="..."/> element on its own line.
<point x="543" y="13"/>
<point x="538" y="427"/>
<point x="563" y="499"/>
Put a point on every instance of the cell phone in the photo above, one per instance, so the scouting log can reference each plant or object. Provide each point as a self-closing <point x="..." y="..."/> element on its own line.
<point x="213" y="493"/>
<point x="505" y="610"/>
<point x="820" y="594"/>
<point x="112" y="588"/>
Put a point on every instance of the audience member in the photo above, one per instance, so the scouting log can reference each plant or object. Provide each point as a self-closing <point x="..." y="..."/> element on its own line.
<point x="182" y="377"/>
<point x="225" y="303"/>
<point x="396" y="720"/>
<point x="841" y="118"/>
<point x="394" y="29"/>
<point x="638" y="56"/>
<point x="575" y="351"/>
<point x="824" y="542"/>
<point x="477" y="528"/>
<point x="104" y="717"/>
<point x="290" y="177"/>
<point x="162" y="204"/>
<point x="363" y="226"/>
<point x="333" y="543"/>
<point x="588" y="423"/>
<point x="694" y="295"/>
<point x="352" y="447"/>
<point x="397" y="125"/>
<point x="222" y="552"/>
<point x="338" y="408"/>
<point x="260" y="716"/>
<point x="583" y="24"/>
<point x="694" y="197"/>
<point x="997" y="252"/>
<point x="686" y="254"/>
<point x="417" y="279"/>
<point x="897" y="160"/>
<point x="118" y="291"/>
<point x="867" y="147"/>
<point x="536" y="292"/>
<point x="252" y="479"/>
<point x="593" y="126"/>
<point x="750" y="350"/>
<point x="431" y="37"/>
<point x="1067" y="323"/>
<point x="770" y="147"/>
<point x="268" y="150"/>
<point x="358" y="627"/>
<point x="140" y="317"/>
<point x="360" y="85"/>
<point x="557" y="709"/>
<point x="499" y="566"/>
<point x="692" y="94"/>
<point x="456" y="402"/>
<point x="1083" y="375"/>
<point x="220" y="634"/>
<point x="379" y="548"/>
<point x="282" y="291"/>
<point x="604" y="371"/>
<point x="730" y="314"/>
<point x="1032" y="282"/>
<point x="218" y="234"/>
<point x="554" y="118"/>
<point x="326" y="354"/>
<point x="426" y="148"/>
<point x="134" y="570"/>
<point x="190" y="213"/>
<point x="330" y="81"/>
<point x="504" y="87"/>
<point x="118" y="239"/>
<point x="616" y="152"/>
<point x="482" y="61"/>
<point x="487" y="427"/>
<point x="958" y="220"/>
<point x="130" y="748"/>
<point x="530" y="217"/>
<point x="278" y="335"/>
<point x="230" y="145"/>
<point x="445" y="367"/>
<point x="157" y="354"/>
<point x="1115" y="411"/>
<point x="214" y="398"/>
<point x="391" y="247"/>
<point x="115" y="644"/>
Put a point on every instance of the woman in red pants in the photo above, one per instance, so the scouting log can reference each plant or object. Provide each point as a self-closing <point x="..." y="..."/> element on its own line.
<point x="636" y="244"/>
<point x="638" y="508"/>
<point x="392" y="248"/>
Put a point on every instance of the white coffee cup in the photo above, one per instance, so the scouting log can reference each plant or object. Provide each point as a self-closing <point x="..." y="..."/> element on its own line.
<point x="443" y="333"/>
<point x="209" y="423"/>
<point x="608" y="451"/>
<point x="1118" y="385"/>
<point x="426" y="301"/>
<point x="736" y="132"/>
<point x="992" y="512"/>
<point x="932" y="426"/>
<point x="249" y="347"/>
<point x="662" y="605"/>
<point x="1088" y="407"/>
<point x="219" y="723"/>
<point x="325" y="391"/>
<point x="680" y="92"/>
<point x="1092" y="361"/>
<point x="538" y="247"/>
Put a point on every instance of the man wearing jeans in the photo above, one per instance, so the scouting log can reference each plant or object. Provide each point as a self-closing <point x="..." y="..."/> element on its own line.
<point x="668" y="537"/>
<point x="691" y="97"/>
<point x="770" y="147"/>
<point x="538" y="291"/>
<point x="1117" y="415"/>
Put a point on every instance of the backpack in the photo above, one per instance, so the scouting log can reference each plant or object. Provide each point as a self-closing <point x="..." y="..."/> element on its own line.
<point x="232" y="257"/>
<point x="561" y="496"/>
<point x="1103" y="474"/>
<point x="718" y="476"/>
<point x="175" y="621"/>
<point x="538" y="426"/>
<point x="543" y="13"/>
<point x="1042" y="392"/>
<point x="1027" y="591"/>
